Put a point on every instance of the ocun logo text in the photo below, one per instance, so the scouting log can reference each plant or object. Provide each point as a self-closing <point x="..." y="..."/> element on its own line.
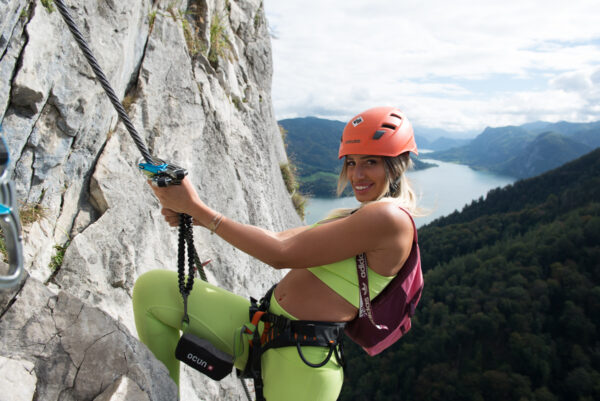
<point x="197" y="361"/>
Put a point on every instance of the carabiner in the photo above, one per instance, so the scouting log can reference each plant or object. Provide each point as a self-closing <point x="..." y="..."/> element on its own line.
<point x="162" y="173"/>
<point x="9" y="222"/>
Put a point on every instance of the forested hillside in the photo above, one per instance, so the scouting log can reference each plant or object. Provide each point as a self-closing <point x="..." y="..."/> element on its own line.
<point x="312" y="145"/>
<point x="511" y="306"/>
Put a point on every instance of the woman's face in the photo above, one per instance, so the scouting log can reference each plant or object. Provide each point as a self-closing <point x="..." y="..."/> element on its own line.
<point x="367" y="176"/>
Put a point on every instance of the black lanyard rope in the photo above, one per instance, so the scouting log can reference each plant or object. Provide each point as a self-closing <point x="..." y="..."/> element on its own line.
<point x="186" y="239"/>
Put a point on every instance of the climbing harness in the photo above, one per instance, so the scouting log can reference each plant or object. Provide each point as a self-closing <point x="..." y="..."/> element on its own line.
<point x="279" y="331"/>
<point x="10" y="223"/>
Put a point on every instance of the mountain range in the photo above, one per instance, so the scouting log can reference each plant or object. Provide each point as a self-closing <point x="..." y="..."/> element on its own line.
<point x="527" y="150"/>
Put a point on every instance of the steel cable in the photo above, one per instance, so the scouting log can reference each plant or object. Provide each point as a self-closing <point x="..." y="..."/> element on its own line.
<point x="139" y="142"/>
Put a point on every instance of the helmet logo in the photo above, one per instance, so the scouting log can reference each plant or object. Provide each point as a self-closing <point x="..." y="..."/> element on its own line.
<point x="357" y="121"/>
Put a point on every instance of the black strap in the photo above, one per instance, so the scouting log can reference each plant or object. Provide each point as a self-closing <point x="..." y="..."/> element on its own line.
<point x="297" y="333"/>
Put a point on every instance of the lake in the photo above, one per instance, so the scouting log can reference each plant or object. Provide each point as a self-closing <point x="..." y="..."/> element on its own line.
<point x="442" y="190"/>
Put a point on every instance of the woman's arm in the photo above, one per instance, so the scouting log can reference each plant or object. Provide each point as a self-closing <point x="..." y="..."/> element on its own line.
<point x="376" y="226"/>
<point x="173" y="219"/>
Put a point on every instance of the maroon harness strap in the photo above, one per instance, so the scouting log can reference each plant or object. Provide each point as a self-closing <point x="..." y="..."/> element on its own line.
<point x="363" y="285"/>
<point x="365" y="308"/>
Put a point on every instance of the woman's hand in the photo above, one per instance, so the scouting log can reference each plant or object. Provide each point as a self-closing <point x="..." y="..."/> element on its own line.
<point x="177" y="199"/>
<point x="172" y="218"/>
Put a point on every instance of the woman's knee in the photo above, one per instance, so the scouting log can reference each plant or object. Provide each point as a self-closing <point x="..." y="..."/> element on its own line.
<point x="150" y="284"/>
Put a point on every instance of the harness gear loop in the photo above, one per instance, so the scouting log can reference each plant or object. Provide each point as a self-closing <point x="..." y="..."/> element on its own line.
<point x="315" y="365"/>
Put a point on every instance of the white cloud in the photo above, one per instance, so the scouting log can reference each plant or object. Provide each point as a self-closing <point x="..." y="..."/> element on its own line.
<point x="572" y="82"/>
<point x="335" y="58"/>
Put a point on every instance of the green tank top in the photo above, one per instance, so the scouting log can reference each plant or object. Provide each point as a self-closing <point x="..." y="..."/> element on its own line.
<point x="342" y="278"/>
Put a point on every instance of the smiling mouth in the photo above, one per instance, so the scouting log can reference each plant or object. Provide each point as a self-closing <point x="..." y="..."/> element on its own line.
<point x="361" y="188"/>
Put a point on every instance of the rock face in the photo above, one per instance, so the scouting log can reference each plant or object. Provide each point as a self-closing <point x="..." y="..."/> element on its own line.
<point x="67" y="350"/>
<point x="195" y="78"/>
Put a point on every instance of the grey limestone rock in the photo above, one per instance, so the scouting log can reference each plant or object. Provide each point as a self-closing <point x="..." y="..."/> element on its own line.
<point x="205" y="107"/>
<point x="75" y="351"/>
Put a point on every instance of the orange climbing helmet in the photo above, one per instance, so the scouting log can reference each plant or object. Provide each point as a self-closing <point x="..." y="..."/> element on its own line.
<point x="380" y="131"/>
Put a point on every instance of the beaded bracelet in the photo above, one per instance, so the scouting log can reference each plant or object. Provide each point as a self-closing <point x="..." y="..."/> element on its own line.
<point x="214" y="223"/>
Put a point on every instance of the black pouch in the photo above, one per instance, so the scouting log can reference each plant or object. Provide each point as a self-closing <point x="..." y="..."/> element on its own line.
<point x="203" y="356"/>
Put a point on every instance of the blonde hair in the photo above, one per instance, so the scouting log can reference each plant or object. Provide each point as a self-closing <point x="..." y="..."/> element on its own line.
<point x="398" y="188"/>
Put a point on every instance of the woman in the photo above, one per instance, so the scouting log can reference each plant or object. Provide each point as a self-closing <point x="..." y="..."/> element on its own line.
<point x="322" y="283"/>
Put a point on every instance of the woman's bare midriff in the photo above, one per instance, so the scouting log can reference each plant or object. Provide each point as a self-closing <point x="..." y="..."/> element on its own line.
<point x="306" y="297"/>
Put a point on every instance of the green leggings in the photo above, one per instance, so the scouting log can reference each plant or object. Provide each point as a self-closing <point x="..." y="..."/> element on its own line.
<point x="218" y="316"/>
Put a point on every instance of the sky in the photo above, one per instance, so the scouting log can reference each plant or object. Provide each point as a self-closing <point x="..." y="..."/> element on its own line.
<point x="457" y="65"/>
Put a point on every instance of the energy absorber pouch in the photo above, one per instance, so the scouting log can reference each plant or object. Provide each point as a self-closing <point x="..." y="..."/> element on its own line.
<point x="203" y="356"/>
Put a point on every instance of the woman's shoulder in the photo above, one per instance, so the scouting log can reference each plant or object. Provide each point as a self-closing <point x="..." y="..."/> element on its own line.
<point x="388" y="214"/>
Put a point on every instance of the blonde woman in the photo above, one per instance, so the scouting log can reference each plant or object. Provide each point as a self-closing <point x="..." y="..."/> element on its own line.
<point x="322" y="283"/>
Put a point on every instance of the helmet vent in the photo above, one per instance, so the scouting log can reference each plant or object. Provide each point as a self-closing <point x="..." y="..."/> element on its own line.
<point x="390" y="126"/>
<point x="396" y="115"/>
<point x="378" y="134"/>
